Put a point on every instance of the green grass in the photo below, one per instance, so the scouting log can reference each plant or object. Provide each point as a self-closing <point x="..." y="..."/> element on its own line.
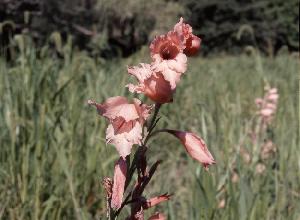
<point x="53" y="153"/>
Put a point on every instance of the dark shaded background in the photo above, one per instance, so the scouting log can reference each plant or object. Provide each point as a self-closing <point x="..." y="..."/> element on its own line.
<point x="119" y="28"/>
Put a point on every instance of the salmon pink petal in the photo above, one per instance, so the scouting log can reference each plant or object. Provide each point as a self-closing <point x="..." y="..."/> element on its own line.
<point x="195" y="147"/>
<point x="266" y="112"/>
<point x="126" y="122"/>
<point x="135" y="88"/>
<point x="141" y="72"/>
<point x="142" y="109"/>
<point x="166" y="47"/>
<point x="157" y="216"/>
<point x="116" y="107"/>
<point x="191" y="42"/>
<point x="156" y="200"/>
<point x="123" y="141"/>
<point x="273" y="97"/>
<point x="154" y="86"/>
<point x="267" y="105"/>
<point x="192" y="46"/>
<point x="171" y="69"/>
<point x="158" y="89"/>
<point x="172" y="77"/>
<point x="119" y="183"/>
<point x="183" y="30"/>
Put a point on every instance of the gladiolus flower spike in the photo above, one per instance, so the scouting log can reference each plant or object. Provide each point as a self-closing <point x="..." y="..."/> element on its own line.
<point x="129" y="124"/>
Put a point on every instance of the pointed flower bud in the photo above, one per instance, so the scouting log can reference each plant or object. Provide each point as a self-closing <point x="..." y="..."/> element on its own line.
<point x="156" y="200"/>
<point x="119" y="183"/>
<point x="195" y="147"/>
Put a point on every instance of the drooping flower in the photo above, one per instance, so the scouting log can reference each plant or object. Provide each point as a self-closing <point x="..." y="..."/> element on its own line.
<point x="195" y="147"/>
<point x="190" y="41"/>
<point x="126" y="122"/>
<point x="152" y="84"/>
<point x="157" y="216"/>
<point x="119" y="183"/>
<point x="168" y="57"/>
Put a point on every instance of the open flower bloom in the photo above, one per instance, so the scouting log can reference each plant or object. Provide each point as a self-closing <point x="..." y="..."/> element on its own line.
<point x="152" y="84"/>
<point x="126" y="122"/>
<point x="119" y="183"/>
<point x="190" y="41"/>
<point x="168" y="57"/>
<point x="157" y="216"/>
<point x="195" y="147"/>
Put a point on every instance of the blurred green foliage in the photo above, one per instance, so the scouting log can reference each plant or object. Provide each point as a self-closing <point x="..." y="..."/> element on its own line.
<point x="110" y="28"/>
<point x="273" y="23"/>
<point x="53" y="153"/>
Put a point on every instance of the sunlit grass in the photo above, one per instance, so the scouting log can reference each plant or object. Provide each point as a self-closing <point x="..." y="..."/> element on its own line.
<point x="53" y="153"/>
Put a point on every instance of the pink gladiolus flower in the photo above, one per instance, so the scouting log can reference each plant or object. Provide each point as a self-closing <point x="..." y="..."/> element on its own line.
<point x="190" y="41"/>
<point x="126" y="122"/>
<point x="157" y="216"/>
<point x="168" y="57"/>
<point x="267" y="106"/>
<point x="152" y="84"/>
<point x="195" y="147"/>
<point x="119" y="183"/>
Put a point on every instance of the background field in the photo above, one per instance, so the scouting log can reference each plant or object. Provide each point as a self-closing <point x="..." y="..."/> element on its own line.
<point x="53" y="153"/>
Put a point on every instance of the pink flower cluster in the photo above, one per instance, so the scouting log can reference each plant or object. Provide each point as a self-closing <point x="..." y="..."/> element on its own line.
<point x="127" y="120"/>
<point x="169" y="52"/>
<point x="267" y="105"/>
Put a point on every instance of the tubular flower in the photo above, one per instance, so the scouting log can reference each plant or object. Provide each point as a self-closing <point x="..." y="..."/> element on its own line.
<point x="190" y="41"/>
<point x="152" y="84"/>
<point x="168" y="57"/>
<point x="157" y="216"/>
<point x="126" y="122"/>
<point x="195" y="147"/>
<point x="119" y="183"/>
